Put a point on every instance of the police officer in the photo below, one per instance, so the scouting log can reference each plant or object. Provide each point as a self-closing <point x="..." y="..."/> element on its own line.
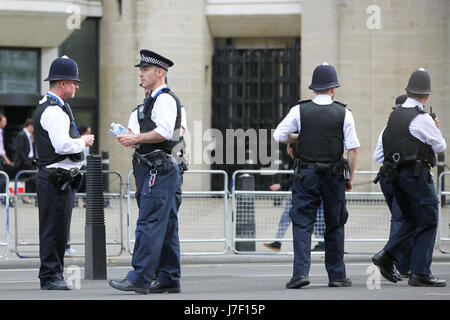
<point x="177" y="152"/>
<point x="403" y="265"/>
<point x="60" y="154"/>
<point x="325" y="127"/>
<point x="410" y="141"/>
<point x="157" y="243"/>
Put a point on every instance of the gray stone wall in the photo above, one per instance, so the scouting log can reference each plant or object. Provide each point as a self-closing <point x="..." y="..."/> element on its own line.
<point x="374" y="65"/>
<point x="176" y="29"/>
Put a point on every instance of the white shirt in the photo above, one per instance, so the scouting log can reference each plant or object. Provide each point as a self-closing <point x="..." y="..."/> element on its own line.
<point x="57" y="123"/>
<point x="421" y="127"/>
<point x="164" y="113"/>
<point x="133" y="122"/>
<point x="292" y="124"/>
<point x="30" y="142"/>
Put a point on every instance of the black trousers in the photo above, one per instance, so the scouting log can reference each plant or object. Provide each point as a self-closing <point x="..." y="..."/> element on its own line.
<point x="55" y="212"/>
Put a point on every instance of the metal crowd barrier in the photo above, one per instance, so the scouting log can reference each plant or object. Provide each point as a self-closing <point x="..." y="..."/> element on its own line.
<point x="202" y="217"/>
<point x="444" y="215"/>
<point x="26" y="224"/>
<point x="4" y="230"/>
<point x="259" y="211"/>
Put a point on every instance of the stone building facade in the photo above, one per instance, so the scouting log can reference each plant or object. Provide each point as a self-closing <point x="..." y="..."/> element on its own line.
<point x="374" y="44"/>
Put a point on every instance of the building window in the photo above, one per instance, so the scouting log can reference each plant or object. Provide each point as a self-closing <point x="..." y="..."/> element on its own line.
<point x="82" y="46"/>
<point x="19" y="71"/>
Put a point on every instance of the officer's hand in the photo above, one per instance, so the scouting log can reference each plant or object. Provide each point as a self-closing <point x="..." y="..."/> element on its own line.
<point x="436" y="121"/>
<point x="127" y="140"/>
<point x="275" y="187"/>
<point x="348" y="185"/>
<point x="88" y="139"/>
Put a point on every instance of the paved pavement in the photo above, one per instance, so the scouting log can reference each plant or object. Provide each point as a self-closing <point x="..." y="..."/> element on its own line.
<point x="226" y="277"/>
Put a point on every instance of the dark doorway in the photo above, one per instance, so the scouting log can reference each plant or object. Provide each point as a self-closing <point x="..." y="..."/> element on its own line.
<point x="253" y="88"/>
<point x="16" y="117"/>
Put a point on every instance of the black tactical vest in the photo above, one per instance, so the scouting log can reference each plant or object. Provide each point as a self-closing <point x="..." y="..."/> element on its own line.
<point x="398" y="139"/>
<point x="45" y="150"/>
<point x="146" y="124"/>
<point x="321" y="136"/>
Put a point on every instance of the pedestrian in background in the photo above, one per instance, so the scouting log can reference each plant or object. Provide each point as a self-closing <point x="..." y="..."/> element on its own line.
<point x="4" y="160"/>
<point x="24" y="157"/>
<point x="285" y="219"/>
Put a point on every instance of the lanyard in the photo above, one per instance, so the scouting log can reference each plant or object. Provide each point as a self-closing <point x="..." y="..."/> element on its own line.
<point x="63" y="106"/>
<point x="54" y="97"/>
<point x="159" y="92"/>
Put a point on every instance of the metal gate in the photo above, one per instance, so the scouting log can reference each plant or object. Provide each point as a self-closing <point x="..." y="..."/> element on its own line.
<point x="26" y="220"/>
<point x="253" y="88"/>
<point x="256" y="216"/>
<point x="4" y="229"/>
<point x="444" y="216"/>
<point x="202" y="218"/>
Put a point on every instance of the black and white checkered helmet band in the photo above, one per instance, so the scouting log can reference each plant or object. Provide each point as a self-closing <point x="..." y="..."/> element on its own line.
<point x="154" y="61"/>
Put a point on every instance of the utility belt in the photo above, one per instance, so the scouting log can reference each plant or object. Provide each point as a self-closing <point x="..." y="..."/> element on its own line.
<point x="333" y="168"/>
<point x="153" y="159"/>
<point x="391" y="169"/>
<point x="62" y="178"/>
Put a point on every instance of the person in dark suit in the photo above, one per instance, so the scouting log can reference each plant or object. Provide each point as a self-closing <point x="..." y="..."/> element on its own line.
<point x="25" y="154"/>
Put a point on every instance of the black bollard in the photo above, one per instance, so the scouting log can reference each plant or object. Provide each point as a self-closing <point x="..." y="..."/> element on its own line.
<point x="105" y="167"/>
<point x="245" y="214"/>
<point x="95" y="236"/>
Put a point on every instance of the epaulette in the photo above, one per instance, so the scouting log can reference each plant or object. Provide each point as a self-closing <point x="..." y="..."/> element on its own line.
<point x="420" y="110"/>
<point x="341" y="104"/>
<point x="52" y="101"/>
<point x="303" y="101"/>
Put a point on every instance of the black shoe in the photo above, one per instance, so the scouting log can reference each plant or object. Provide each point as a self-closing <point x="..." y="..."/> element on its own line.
<point x="297" y="282"/>
<point x="319" y="247"/>
<point x="346" y="282"/>
<point x="126" y="285"/>
<point x="426" y="281"/>
<point x="55" y="285"/>
<point x="159" y="288"/>
<point x="385" y="262"/>
<point x="275" y="246"/>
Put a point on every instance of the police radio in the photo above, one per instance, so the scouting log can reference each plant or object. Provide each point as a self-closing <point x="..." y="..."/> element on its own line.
<point x="432" y="114"/>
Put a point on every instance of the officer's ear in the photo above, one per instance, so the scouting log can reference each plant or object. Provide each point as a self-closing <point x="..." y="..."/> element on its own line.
<point x="63" y="84"/>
